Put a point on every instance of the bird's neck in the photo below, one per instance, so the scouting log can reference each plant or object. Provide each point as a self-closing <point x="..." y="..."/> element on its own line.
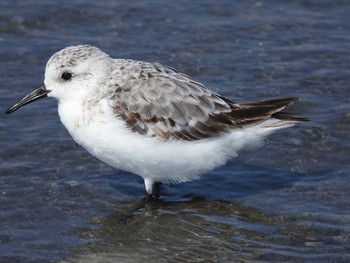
<point x="70" y="114"/>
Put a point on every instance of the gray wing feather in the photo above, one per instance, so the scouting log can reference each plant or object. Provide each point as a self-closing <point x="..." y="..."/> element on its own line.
<point x="158" y="101"/>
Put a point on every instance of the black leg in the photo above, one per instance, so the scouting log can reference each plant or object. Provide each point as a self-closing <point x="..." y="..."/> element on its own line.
<point x="149" y="199"/>
<point x="156" y="190"/>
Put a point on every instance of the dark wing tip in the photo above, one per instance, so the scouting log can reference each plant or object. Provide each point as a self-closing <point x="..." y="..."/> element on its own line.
<point x="289" y="116"/>
<point x="256" y="112"/>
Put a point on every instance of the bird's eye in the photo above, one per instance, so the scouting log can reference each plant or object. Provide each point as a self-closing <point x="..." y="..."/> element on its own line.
<point x="66" y="75"/>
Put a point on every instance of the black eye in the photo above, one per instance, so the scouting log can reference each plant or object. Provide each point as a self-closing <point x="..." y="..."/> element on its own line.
<point x="66" y="75"/>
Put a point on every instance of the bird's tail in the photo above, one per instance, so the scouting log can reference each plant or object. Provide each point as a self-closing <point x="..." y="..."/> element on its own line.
<point x="269" y="113"/>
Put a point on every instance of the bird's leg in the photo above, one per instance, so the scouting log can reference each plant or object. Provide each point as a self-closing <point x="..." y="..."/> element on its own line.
<point x="155" y="190"/>
<point x="152" y="188"/>
<point x="148" y="199"/>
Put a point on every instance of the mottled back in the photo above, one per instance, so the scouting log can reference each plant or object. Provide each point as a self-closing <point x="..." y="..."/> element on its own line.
<point x="158" y="101"/>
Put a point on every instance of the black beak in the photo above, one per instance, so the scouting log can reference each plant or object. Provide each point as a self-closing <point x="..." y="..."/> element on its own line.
<point x="36" y="94"/>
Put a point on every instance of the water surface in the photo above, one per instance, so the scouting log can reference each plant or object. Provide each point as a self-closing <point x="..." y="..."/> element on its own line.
<point x="287" y="201"/>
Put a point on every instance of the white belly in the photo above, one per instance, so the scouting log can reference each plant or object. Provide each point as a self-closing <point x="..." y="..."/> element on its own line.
<point x="106" y="137"/>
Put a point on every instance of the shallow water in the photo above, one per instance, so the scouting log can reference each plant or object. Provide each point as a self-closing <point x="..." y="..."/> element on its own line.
<point x="287" y="201"/>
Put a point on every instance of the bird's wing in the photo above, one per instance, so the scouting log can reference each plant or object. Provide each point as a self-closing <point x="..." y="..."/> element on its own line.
<point x="158" y="101"/>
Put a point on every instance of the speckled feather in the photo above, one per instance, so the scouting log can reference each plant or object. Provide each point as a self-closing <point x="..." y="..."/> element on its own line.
<point x="156" y="100"/>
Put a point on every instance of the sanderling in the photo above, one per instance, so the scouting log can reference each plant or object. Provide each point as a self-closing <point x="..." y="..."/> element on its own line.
<point x="149" y="119"/>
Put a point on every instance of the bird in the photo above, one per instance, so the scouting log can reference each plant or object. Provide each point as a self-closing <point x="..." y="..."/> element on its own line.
<point x="152" y="120"/>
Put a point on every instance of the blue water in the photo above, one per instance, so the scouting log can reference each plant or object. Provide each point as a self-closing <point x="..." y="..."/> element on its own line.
<point x="288" y="201"/>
